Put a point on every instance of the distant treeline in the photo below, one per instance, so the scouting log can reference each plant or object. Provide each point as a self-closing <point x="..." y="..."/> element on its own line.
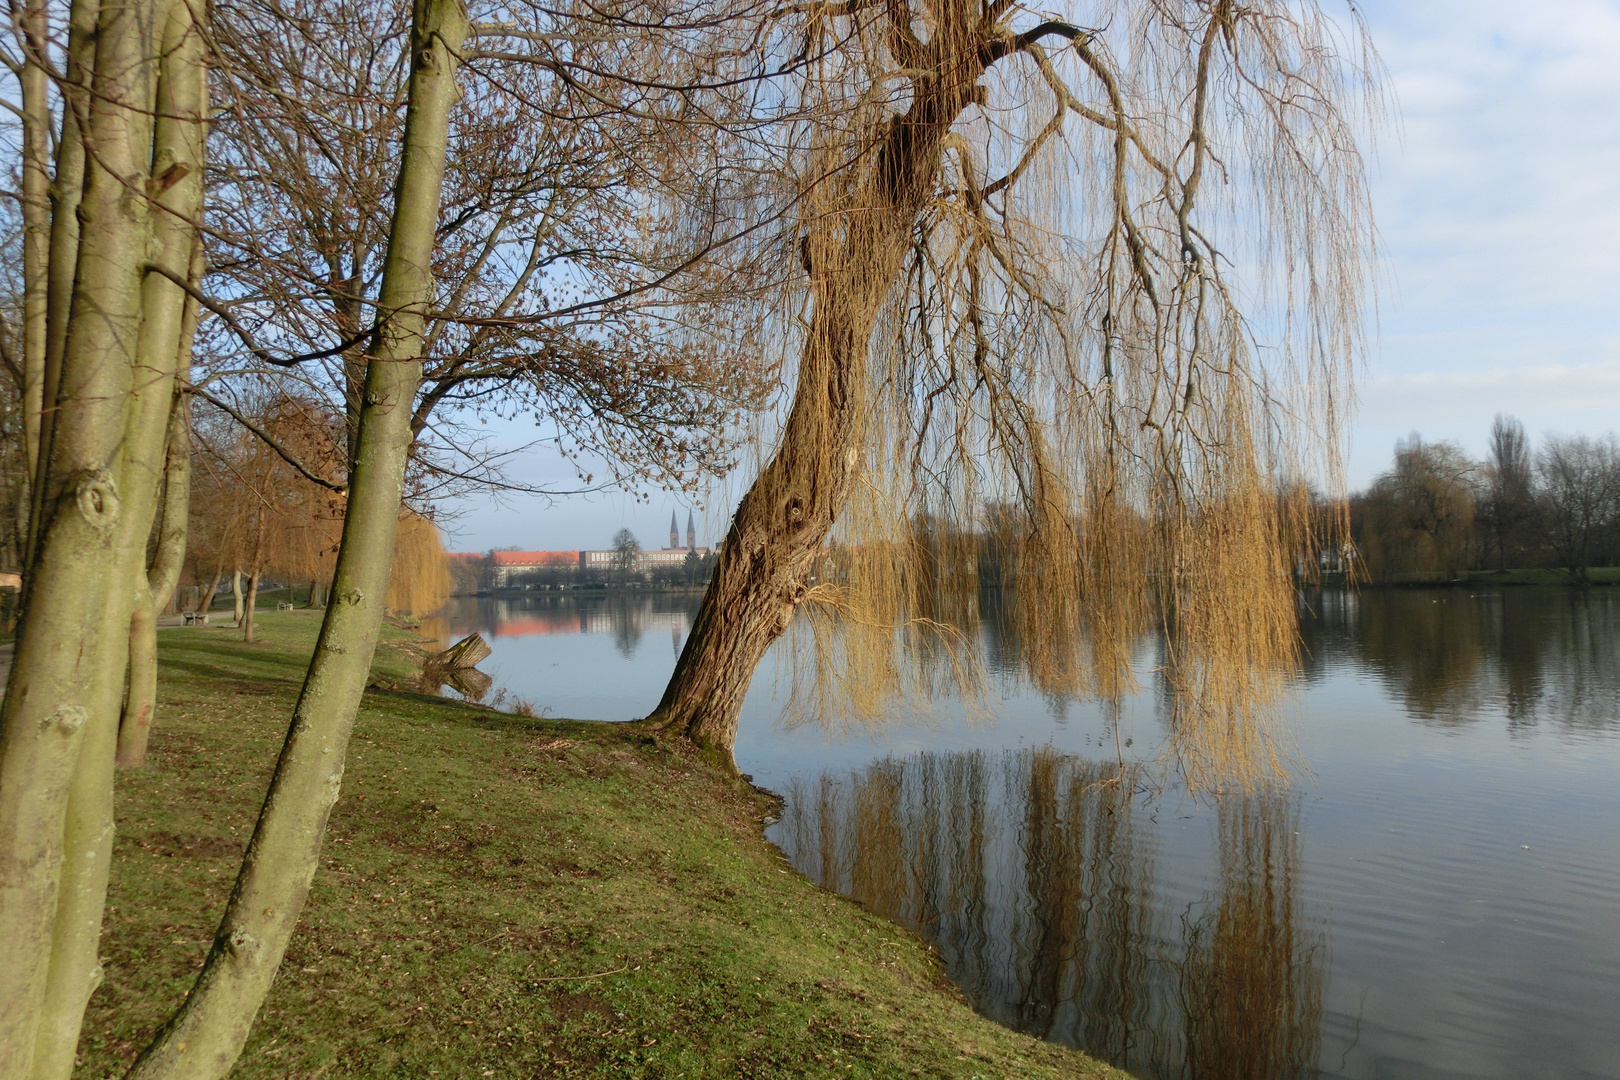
<point x="1438" y="514"/>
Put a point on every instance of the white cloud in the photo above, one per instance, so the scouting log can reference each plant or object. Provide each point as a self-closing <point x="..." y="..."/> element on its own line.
<point x="1499" y="205"/>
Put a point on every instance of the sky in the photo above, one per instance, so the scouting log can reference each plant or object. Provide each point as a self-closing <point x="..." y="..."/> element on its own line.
<point x="1496" y="190"/>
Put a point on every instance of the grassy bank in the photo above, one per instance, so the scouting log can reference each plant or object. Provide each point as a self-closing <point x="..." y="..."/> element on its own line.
<point x="503" y="897"/>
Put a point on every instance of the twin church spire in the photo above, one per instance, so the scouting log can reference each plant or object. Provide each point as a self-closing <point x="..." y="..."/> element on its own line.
<point x="675" y="532"/>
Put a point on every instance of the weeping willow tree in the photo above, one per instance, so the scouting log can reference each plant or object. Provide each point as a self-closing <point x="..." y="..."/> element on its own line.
<point x="420" y="578"/>
<point x="1104" y="274"/>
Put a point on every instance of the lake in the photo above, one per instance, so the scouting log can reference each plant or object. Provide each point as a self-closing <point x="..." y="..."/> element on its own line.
<point x="1437" y="895"/>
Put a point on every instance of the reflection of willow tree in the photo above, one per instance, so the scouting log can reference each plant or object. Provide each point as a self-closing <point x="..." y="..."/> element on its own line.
<point x="1042" y="913"/>
<point x="1036" y="884"/>
<point x="1081" y="938"/>
<point x="1251" y="977"/>
<point x="1582" y="664"/>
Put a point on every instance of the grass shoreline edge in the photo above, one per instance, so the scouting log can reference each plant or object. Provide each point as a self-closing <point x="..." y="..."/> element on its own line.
<point x="503" y="896"/>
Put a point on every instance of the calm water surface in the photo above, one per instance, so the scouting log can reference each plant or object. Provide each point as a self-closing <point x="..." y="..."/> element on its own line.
<point x="1438" y="897"/>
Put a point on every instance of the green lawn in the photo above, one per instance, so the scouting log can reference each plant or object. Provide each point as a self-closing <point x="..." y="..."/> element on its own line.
<point x="504" y="897"/>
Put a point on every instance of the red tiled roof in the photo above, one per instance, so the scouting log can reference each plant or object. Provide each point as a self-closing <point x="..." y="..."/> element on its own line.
<point x="534" y="558"/>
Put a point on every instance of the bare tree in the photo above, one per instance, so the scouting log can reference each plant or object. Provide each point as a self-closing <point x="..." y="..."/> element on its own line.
<point x="127" y="196"/>
<point x="206" y="1035"/>
<point x="1580" y="484"/>
<point x="1508" y="507"/>
<point x="545" y="208"/>
<point x="626" y="556"/>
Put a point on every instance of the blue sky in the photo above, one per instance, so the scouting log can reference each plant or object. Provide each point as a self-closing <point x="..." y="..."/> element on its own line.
<point x="1497" y="196"/>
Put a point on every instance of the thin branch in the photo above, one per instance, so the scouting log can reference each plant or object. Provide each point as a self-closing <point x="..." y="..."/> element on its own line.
<point x="266" y="438"/>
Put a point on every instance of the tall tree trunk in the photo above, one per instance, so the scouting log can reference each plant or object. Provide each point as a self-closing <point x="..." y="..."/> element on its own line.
<point x="66" y="192"/>
<point x="206" y="1036"/>
<point x="207" y="601"/>
<point x="252" y="606"/>
<point x="169" y="151"/>
<point x="140" y="700"/>
<point x="56" y="729"/>
<point x="236" y="594"/>
<point x="34" y="87"/>
<point x="781" y="523"/>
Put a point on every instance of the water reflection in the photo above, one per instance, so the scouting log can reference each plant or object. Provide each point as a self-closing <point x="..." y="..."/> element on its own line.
<point x="626" y="616"/>
<point x="1451" y="657"/>
<point x="1251" y="970"/>
<point x="1033" y="874"/>
<point x="1460" y="821"/>
<point x="1538" y="656"/>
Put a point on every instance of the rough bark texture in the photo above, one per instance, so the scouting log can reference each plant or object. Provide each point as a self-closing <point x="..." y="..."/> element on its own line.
<point x="783" y="520"/>
<point x="206" y="1036"/>
<point x="53" y="706"/>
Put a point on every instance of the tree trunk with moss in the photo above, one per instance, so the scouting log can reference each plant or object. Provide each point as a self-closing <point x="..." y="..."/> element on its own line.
<point x="54" y="728"/>
<point x="173" y="64"/>
<point x="140" y="700"/>
<point x="62" y="256"/>
<point x="203" y="1040"/>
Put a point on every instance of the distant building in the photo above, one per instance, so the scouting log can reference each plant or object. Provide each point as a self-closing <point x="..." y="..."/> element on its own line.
<point x="675" y="533"/>
<point x="504" y="564"/>
<point x="645" y="560"/>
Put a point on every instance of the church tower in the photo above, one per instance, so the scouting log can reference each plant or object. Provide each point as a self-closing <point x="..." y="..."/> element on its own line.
<point x="674" y="532"/>
<point x="691" y="533"/>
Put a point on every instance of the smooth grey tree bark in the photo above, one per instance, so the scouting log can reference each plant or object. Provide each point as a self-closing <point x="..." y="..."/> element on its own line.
<point x="205" y="1037"/>
<point x="50" y="712"/>
<point x="140" y="699"/>
<point x="173" y="58"/>
<point x="66" y="190"/>
<point x="34" y="92"/>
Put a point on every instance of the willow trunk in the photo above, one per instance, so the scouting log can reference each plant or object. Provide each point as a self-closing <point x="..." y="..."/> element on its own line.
<point x="205" y="1037"/>
<point x="782" y="522"/>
